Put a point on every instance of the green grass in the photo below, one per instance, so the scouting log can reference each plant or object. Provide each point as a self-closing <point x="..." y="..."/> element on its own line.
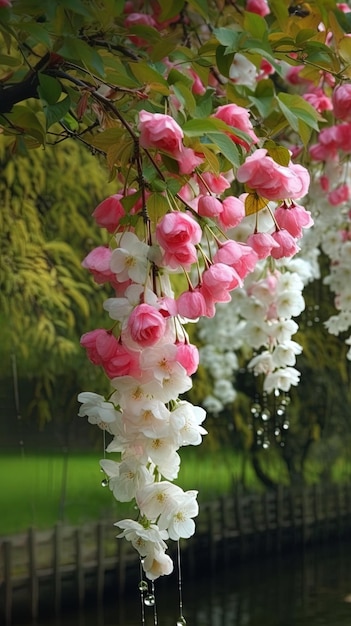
<point x="39" y="490"/>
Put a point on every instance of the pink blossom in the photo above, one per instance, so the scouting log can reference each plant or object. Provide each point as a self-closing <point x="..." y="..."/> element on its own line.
<point x="177" y="229"/>
<point x="187" y="160"/>
<point x="198" y="87"/>
<point x="209" y="206"/>
<point x="217" y="183"/>
<point x="5" y="3"/>
<point x="240" y="256"/>
<point x="109" y="212"/>
<point x="238" y="117"/>
<point x="342" y="6"/>
<point x="123" y="362"/>
<point x="258" y="6"/>
<point x="339" y="195"/>
<point x="146" y="325"/>
<point x="161" y="132"/>
<point x="180" y="257"/>
<point x="218" y="280"/>
<point x="293" y="218"/>
<point x="98" y="264"/>
<point x="191" y="304"/>
<point x="287" y="244"/>
<point x="99" y="344"/>
<point x="262" y="244"/>
<point x="188" y="357"/>
<point x="319" y="100"/>
<point x="233" y="211"/>
<point x="271" y="180"/>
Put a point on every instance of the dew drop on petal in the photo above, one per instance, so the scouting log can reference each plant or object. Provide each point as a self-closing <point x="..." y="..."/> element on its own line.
<point x="104" y="482"/>
<point x="181" y="621"/>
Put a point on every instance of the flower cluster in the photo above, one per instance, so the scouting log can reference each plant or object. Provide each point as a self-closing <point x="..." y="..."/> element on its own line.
<point x="146" y="353"/>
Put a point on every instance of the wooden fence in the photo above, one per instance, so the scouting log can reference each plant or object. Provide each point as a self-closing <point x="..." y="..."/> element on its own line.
<point x="42" y="569"/>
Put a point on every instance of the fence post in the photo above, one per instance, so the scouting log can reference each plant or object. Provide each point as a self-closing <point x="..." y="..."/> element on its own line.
<point x="7" y="551"/>
<point x="33" y="576"/>
<point x="100" y="565"/>
<point x="80" y="566"/>
<point x="56" y="567"/>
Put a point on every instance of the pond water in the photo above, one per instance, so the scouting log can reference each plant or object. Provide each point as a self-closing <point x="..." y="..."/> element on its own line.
<point x="309" y="588"/>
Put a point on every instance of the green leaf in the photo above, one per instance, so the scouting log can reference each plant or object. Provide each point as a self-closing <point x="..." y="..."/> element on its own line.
<point x="228" y="38"/>
<point x="200" y="6"/>
<point x="10" y="61"/>
<point x="80" y="52"/>
<point x="198" y="127"/>
<point x="27" y="121"/>
<point x="184" y="96"/>
<point x="296" y="109"/>
<point x="50" y="88"/>
<point x="255" y="25"/>
<point x="76" y="6"/>
<point x="149" y="76"/>
<point x="227" y="147"/>
<point x="170" y="9"/>
<point x="224" y="60"/>
<point x="278" y="153"/>
<point x="37" y="32"/>
<point x="254" y="203"/>
<point x="56" y="112"/>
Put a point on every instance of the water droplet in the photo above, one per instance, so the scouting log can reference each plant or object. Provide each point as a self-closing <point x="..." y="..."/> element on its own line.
<point x="104" y="482"/>
<point x="286" y="425"/>
<point x="277" y="432"/>
<point x="181" y="621"/>
<point x="266" y="444"/>
<point x="143" y="585"/>
<point x="256" y="409"/>
<point x="265" y="415"/>
<point x="280" y="411"/>
<point x="149" y="599"/>
<point x="276" y="393"/>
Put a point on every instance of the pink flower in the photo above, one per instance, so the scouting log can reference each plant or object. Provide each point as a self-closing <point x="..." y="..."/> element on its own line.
<point x="339" y="195"/>
<point x="198" y="87"/>
<point x="293" y="218"/>
<point x="319" y="100"/>
<point x="99" y="344"/>
<point x="187" y="160"/>
<point x="216" y="183"/>
<point x="177" y="229"/>
<point x="188" y="357"/>
<point x="98" y="264"/>
<point x="271" y="180"/>
<point x="237" y="255"/>
<point x="233" y="211"/>
<point x="191" y="304"/>
<point x="123" y="362"/>
<point x="146" y="325"/>
<point x="341" y="100"/>
<point x="238" y="117"/>
<point x="218" y="280"/>
<point x="262" y="244"/>
<point x="161" y="132"/>
<point x="109" y="212"/>
<point x="287" y="244"/>
<point x="5" y="3"/>
<point x="258" y="6"/>
<point x="209" y="206"/>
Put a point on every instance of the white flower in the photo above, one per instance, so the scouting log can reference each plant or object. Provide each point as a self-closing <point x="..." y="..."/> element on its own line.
<point x="156" y="564"/>
<point x="281" y="379"/>
<point x="186" y="420"/>
<point x="289" y="303"/>
<point x="285" y="353"/>
<point x="126" y="478"/>
<point x="282" y="329"/>
<point x="242" y="71"/>
<point x="120" y="308"/>
<point x="262" y="363"/>
<point x="98" y="410"/>
<point x="130" y="259"/>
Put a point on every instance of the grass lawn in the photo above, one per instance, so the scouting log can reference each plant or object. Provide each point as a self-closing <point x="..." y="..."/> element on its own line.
<point x="38" y="490"/>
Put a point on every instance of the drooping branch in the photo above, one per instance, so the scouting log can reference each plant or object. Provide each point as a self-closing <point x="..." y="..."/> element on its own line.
<point x="27" y="88"/>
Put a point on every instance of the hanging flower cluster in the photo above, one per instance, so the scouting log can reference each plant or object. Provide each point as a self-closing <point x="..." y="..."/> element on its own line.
<point x="146" y="353"/>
